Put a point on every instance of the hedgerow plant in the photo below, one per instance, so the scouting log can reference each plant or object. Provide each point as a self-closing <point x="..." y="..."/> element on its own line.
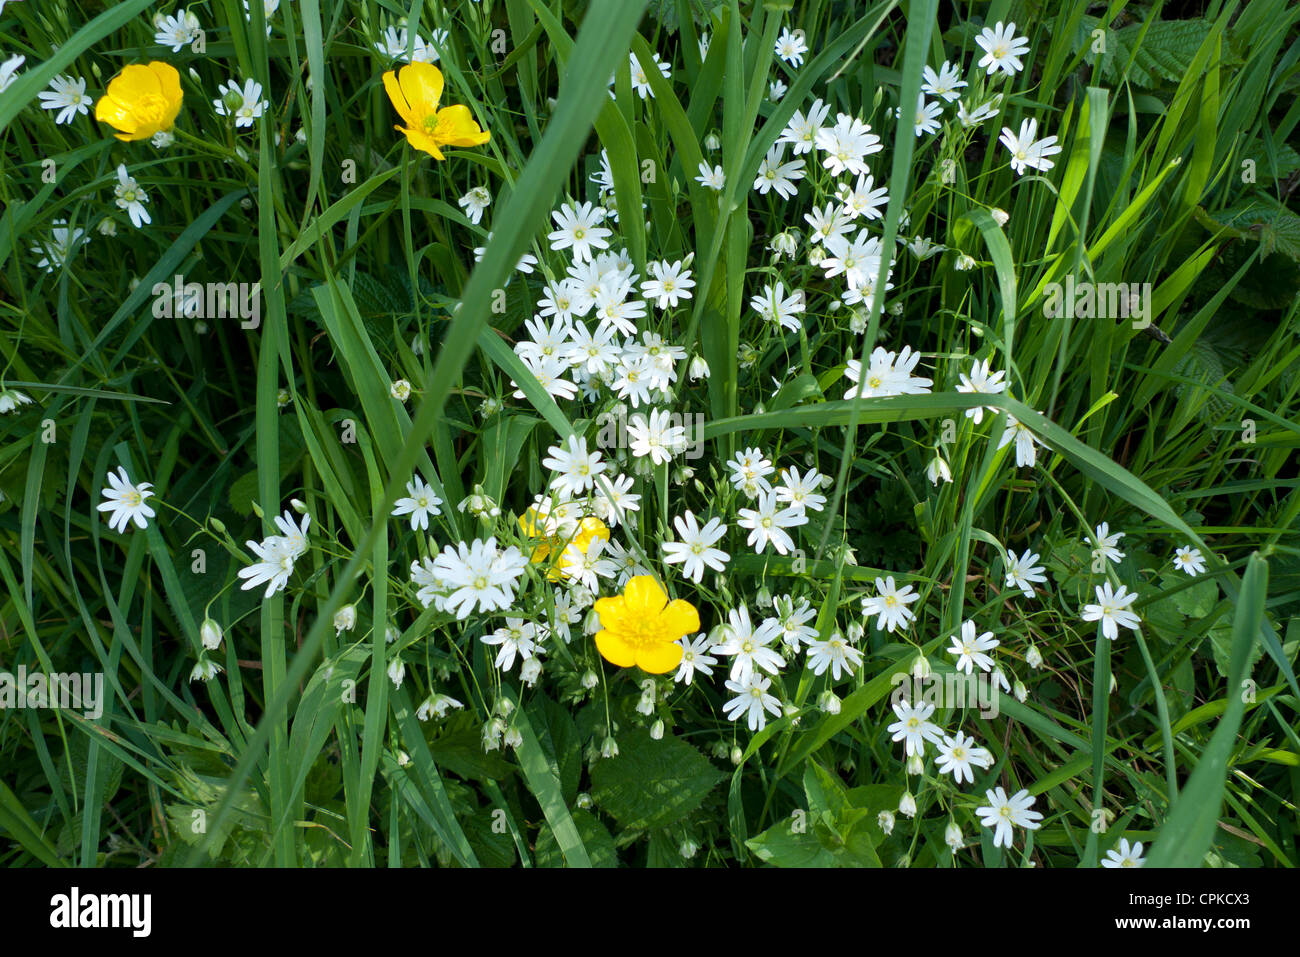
<point x="678" y="433"/>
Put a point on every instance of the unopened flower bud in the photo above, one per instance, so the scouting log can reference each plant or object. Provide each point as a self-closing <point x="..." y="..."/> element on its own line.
<point x="210" y="634"/>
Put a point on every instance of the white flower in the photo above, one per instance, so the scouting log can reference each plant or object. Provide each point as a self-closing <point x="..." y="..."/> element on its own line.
<point x="244" y="105"/>
<point x="394" y="41"/>
<point x="1003" y="812"/>
<point x="177" y="31"/>
<point x="776" y="89"/>
<point x="11" y="399"/>
<point x="981" y="380"/>
<point x="944" y="84"/>
<point x="695" y="657"/>
<point x="126" y="501"/>
<point x="926" y="118"/>
<point x="970" y="649"/>
<point x="345" y="619"/>
<point x="888" y="374"/>
<point x="711" y="177"/>
<point x="436" y="706"/>
<point x="938" y="470"/>
<point x="63" y="242"/>
<point x="205" y="670"/>
<point x="274" y="566"/>
<point x="420" y="503"/>
<point x="858" y="261"/>
<point x="774" y="306"/>
<point x="914" y="727"/>
<point x="958" y="753"/>
<point x="846" y="145"/>
<point x="671" y="283"/>
<point x="749" y="645"/>
<point x="1107" y="544"/>
<point x="130" y="197"/>
<point x="774" y="174"/>
<point x="862" y="200"/>
<point x="1189" y="559"/>
<point x="980" y="114"/>
<point x="515" y="638"/>
<point x="767" y="523"/>
<point x="695" y="547"/>
<point x="801" y="491"/>
<point x="885" y="819"/>
<point x="834" y="653"/>
<point x="1002" y="49"/>
<point x="1033" y="657"/>
<point x="640" y="82"/>
<point x="791" y="47"/>
<point x="67" y="95"/>
<point x="890" y="605"/>
<point x="1023" y="571"/>
<point x="1026" y="454"/>
<point x="576" y="467"/>
<point x="752" y="700"/>
<point x="475" y="202"/>
<point x="477" y="574"/>
<point x="9" y="70"/>
<point x="1124" y="855"/>
<point x="801" y="131"/>
<point x="396" y="671"/>
<point x="579" y="229"/>
<point x="1026" y="152"/>
<point x="1112" y="610"/>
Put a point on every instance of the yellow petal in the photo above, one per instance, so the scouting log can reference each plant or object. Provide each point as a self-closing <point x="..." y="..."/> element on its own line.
<point x="659" y="658"/>
<point x="114" y="112"/>
<point x="398" y="98"/>
<point x="170" y="81"/>
<point x="615" y="650"/>
<point x="422" y="85"/>
<point x="456" y="127"/>
<point x="680" y="618"/>
<point x="612" y="611"/>
<point x="135" y="82"/>
<point x="644" y="596"/>
<point x="424" y="142"/>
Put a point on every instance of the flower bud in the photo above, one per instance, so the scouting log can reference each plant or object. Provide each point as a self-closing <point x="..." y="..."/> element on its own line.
<point x="1033" y="657"/>
<point x="396" y="672"/>
<point x="829" y="702"/>
<point x="530" y="671"/>
<point x="886" y="821"/>
<point x="590" y="679"/>
<point x="736" y="755"/>
<point x="345" y="619"/>
<point x="907" y="806"/>
<point x="210" y="634"/>
<point x="916" y="765"/>
<point x="657" y="730"/>
<point x="952" y="836"/>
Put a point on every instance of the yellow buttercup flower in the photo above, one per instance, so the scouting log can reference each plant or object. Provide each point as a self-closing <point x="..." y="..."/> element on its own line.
<point x="141" y="101"/>
<point x="415" y="92"/>
<point x="533" y="526"/>
<point x="641" y="627"/>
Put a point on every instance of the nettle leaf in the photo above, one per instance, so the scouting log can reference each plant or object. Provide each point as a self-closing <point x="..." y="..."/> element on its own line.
<point x="783" y="846"/>
<point x="1148" y="55"/>
<point x="459" y="749"/>
<point x="652" y="783"/>
<point x="595" y="838"/>
<point x="1198" y="600"/>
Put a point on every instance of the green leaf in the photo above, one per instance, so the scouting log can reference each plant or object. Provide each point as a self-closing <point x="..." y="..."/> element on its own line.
<point x="652" y="783"/>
